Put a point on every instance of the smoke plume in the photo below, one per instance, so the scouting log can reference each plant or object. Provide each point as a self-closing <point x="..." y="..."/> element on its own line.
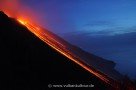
<point x="16" y="9"/>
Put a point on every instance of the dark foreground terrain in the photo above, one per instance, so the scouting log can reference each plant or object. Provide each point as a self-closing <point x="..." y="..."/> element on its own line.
<point x="28" y="63"/>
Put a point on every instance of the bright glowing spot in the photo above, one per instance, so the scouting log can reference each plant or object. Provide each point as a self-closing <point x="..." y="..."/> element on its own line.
<point x="24" y="22"/>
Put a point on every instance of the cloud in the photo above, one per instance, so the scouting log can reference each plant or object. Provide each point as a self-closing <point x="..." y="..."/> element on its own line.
<point x="105" y="28"/>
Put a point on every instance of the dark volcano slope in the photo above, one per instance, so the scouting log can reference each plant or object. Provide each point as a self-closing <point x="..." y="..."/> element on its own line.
<point x="27" y="62"/>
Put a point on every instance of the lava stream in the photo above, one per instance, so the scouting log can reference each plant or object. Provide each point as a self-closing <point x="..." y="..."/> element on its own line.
<point x="40" y="33"/>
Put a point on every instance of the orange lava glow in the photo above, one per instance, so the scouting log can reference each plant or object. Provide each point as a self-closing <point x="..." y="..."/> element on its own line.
<point x="22" y="22"/>
<point x="40" y="33"/>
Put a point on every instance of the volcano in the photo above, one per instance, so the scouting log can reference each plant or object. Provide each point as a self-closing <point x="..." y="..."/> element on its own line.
<point x="36" y="59"/>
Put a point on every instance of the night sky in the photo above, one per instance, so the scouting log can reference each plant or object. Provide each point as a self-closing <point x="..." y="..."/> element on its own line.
<point x="86" y="15"/>
<point x="106" y="28"/>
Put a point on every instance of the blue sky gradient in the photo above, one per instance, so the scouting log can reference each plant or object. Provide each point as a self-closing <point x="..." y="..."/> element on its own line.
<point x="86" y="15"/>
<point x="106" y="28"/>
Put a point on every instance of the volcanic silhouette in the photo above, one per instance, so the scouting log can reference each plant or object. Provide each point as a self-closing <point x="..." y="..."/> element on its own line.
<point x="28" y="62"/>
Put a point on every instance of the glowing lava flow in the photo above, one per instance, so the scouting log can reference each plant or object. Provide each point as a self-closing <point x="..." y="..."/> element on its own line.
<point x="62" y="49"/>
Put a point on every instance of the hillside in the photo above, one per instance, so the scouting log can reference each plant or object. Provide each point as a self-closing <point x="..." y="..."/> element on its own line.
<point x="27" y="62"/>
